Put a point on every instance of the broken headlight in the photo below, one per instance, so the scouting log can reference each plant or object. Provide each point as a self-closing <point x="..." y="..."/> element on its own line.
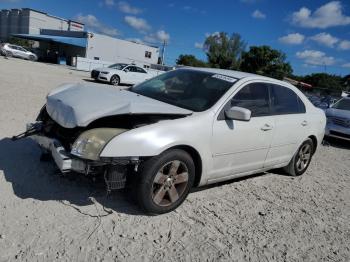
<point x="90" y="144"/>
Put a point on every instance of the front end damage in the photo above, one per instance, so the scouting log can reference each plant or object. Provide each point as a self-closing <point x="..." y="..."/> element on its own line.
<point x="113" y="170"/>
<point x="77" y="149"/>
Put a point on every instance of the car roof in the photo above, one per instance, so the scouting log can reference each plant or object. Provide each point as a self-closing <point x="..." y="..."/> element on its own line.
<point x="235" y="74"/>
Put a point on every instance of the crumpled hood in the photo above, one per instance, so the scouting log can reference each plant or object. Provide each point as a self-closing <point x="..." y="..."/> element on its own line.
<point x="333" y="112"/>
<point x="73" y="105"/>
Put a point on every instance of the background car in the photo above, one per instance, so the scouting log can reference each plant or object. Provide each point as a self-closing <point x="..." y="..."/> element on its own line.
<point x="17" y="51"/>
<point x="121" y="74"/>
<point x="338" y="119"/>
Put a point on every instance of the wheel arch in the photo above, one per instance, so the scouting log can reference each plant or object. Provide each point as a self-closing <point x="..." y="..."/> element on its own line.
<point x="314" y="141"/>
<point x="115" y="74"/>
<point x="196" y="159"/>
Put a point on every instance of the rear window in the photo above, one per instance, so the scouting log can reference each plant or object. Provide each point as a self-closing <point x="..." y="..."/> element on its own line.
<point x="285" y="101"/>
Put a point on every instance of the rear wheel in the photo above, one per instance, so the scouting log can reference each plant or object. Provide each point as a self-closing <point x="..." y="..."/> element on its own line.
<point x="115" y="80"/>
<point x="301" y="160"/>
<point x="164" y="181"/>
<point x="8" y="54"/>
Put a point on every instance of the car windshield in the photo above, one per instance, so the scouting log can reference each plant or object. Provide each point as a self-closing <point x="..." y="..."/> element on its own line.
<point x="189" y="89"/>
<point x="343" y="104"/>
<point x="118" y="66"/>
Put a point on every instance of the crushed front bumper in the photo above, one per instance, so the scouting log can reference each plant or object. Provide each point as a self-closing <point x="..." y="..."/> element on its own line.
<point x="63" y="159"/>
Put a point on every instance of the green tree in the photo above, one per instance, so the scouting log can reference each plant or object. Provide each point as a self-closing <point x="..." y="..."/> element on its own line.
<point x="223" y="51"/>
<point x="264" y="60"/>
<point x="323" y="80"/>
<point x="190" y="60"/>
<point x="21" y="42"/>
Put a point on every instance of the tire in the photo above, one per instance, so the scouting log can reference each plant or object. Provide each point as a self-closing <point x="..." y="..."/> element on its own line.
<point x="115" y="80"/>
<point x="301" y="160"/>
<point x="31" y="58"/>
<point x="8" y="54"/>
<point x="164" y="181"/>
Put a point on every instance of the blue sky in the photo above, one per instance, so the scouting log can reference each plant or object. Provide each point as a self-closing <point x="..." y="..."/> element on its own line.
<point x="314" y="34"/>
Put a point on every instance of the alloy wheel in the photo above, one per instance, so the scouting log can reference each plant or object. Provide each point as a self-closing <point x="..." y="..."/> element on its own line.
<point x="303" y="157"/>
<point x="170" y="183"/>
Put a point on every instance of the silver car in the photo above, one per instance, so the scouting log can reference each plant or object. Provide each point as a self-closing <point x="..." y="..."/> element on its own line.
<point x="338" y="119"/>
<point x="182" y="129"/>
<point x="10" y="50"/>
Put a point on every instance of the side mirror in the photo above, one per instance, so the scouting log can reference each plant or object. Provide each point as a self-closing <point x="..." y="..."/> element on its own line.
<point x="238" y="113"/>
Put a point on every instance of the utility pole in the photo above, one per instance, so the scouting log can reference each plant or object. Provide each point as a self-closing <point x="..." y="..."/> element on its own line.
<point x="163" y="52"/>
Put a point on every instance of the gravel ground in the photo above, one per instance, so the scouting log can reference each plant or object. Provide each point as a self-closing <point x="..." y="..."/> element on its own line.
<point x="268" y="217"/>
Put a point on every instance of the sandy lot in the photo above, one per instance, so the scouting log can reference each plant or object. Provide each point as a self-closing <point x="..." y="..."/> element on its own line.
<point x="269" y="217"/>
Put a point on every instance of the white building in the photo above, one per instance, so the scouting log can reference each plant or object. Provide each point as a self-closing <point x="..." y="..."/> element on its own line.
<point x="65" y="41"/>
<point x="29" y="21"/>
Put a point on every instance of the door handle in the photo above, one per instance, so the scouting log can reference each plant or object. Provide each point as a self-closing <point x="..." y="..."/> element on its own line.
<point x="304" y="123"/>
<point x="266" y="127"/>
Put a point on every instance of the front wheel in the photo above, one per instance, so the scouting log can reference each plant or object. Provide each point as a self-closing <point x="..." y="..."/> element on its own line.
<point x="301" y="160"/>
<point x="115" y="80"/>
<point x="31" y="58"/>
<point x="164" y="181"/>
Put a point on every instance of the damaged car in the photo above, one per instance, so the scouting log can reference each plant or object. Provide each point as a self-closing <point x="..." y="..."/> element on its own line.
<point x="185" y="128"/>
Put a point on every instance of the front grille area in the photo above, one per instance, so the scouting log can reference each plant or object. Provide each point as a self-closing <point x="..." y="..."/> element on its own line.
<point x="341" y="121"/>
<point x="335" y="133"/>
<point x="94" y="74"/>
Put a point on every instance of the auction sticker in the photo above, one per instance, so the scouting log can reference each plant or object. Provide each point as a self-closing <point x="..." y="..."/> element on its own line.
<point x="225" y="78"/>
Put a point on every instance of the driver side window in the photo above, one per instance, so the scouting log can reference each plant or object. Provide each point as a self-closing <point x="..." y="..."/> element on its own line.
<point x="254" y="97"/>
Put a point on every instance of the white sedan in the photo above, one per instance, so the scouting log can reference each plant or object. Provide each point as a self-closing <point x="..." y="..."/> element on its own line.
<point x="182" y="129"/>
<point x="121" y="74"/>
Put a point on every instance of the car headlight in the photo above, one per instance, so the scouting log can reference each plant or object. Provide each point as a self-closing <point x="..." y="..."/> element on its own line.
<point x="105" y="73"/>
<point x="90" y="144"/>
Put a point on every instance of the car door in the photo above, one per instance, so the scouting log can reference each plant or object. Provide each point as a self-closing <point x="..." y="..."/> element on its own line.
<point x="131" y="76"/>
<point x="14" y="50"/>
<point x="242" y="146"/>
<point x="291" y="124"/>
<point x="142" y="75"/>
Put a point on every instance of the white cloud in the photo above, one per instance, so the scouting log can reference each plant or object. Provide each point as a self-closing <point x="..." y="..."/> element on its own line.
<point x="347" y="65"/>
<point x="258" y="14"/>
<point x="325" y="39"/>
<point x="198" y="45"/>
<point x="328" y="15"/>
<point x="217" y="33"/>
<point x="344" y="45"/>
<point x="128" y="9"/>
<point x="158" y="37"/>
<point x="292" y="39"/>
<point x="109" y="2"/>
<point x="314" y="57"/>
<point x="93" y="24"/>
<point x="139" y="24"/>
